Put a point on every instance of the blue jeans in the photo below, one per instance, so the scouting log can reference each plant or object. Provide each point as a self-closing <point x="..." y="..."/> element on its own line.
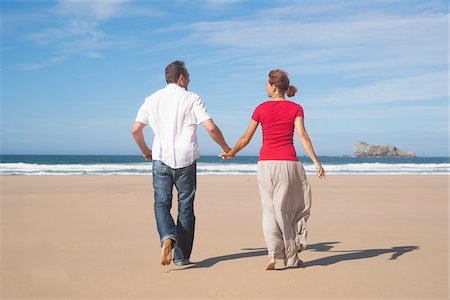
<point x="185" y="181"/>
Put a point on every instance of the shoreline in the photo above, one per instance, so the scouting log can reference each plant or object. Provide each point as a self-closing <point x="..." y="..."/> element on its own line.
<point x="309" y="175"/>
<point x="212" y="165"/>
<point x="94" y="236"/>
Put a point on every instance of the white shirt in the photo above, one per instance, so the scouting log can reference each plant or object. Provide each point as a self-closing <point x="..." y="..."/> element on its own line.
<point x="173" y="113"/>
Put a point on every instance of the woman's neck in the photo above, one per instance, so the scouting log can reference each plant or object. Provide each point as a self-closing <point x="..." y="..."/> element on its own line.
<point x="278" y="97"/>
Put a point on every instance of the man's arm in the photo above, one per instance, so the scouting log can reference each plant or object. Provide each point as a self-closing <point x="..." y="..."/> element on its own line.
<point x="215" y="133"/>
<point x="138" y="136"/>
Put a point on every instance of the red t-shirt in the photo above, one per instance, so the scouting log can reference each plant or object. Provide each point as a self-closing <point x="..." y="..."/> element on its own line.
<point x="277" y="121"/>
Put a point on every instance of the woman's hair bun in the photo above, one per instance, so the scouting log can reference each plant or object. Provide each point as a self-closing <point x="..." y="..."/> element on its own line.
<point x="291" y="91"/>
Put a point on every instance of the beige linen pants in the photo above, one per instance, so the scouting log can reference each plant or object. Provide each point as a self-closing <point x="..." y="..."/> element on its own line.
<point x="286" y="203"/>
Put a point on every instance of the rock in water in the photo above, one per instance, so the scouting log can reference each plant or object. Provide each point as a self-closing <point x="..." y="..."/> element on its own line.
<point x="363" y="149"/>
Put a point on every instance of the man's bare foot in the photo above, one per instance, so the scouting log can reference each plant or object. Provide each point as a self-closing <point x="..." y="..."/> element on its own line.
<point x="271" y="264"/>
<point x="166" y="252"/>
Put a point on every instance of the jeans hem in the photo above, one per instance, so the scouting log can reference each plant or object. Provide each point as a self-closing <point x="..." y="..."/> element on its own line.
<point x="183" y="260"/>
<point x="169" y="236"/>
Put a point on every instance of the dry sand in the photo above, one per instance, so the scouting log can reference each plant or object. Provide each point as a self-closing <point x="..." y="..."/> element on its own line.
<point x="95" y="237"/>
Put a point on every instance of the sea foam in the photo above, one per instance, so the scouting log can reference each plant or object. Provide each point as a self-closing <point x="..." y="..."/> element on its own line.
<point x="145" y="168"/>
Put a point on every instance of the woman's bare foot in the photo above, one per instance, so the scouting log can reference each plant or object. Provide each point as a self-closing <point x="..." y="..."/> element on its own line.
<point x="271" y="264"/>
<point x="166" y="252"/>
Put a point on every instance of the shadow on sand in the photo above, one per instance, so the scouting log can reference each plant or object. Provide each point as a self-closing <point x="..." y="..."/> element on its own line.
<point x="357" y="254"/>
<point x="319" y="247"/>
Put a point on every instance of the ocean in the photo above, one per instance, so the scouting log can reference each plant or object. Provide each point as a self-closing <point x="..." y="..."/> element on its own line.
<point x="213" y="165"/>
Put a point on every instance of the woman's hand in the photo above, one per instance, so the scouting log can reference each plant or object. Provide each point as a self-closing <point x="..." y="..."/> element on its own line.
<point x="320" y="171"/>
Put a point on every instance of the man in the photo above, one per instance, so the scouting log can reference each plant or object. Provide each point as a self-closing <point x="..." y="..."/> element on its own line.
<point x="173" y="114"/>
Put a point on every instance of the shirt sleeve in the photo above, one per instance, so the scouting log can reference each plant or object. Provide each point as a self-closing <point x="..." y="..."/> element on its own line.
<point x="142" y="115"/>
<point x="300" y="112"/>
<point x="200" y="112"/>
<point x="256" y="114"/>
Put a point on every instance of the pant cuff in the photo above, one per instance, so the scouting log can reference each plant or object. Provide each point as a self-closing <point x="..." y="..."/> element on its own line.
<point x="171" y="237"/>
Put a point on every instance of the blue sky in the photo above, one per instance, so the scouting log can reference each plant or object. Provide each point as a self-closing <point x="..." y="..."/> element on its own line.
<point x="75" y="72"/>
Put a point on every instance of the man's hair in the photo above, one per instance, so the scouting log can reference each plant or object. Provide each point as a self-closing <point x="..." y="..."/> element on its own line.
<point x="174" y="70"/>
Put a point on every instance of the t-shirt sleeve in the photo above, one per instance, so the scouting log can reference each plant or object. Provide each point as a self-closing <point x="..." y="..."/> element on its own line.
<point x="300" y="112"/>
<point x="200" y="112"/>
<point x="256" y="114"/>
<point x="142" y="115"/>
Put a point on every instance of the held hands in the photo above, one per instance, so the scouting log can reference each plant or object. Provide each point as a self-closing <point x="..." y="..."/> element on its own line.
<point x="227" y="154"/>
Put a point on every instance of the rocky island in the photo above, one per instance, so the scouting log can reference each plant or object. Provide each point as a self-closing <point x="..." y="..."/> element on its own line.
<point x="363" y="149"/>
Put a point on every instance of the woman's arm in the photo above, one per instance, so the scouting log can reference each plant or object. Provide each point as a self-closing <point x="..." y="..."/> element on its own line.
<point x="307" y="145"/>
<point x="242" y="142"/>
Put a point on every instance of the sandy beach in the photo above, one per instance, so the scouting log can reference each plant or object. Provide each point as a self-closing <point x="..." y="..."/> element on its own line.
<point x="95" y="237"/>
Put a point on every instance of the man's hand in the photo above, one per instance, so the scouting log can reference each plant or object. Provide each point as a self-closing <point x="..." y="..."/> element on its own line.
<point x="138" y="136"/>
<point x="147" y="155"/>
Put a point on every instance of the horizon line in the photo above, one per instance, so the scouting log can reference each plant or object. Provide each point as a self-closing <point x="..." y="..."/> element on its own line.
<point x="215" y="155"/>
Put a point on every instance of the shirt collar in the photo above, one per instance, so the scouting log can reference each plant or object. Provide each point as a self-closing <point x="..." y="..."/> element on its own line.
<point x="174" y="86"/>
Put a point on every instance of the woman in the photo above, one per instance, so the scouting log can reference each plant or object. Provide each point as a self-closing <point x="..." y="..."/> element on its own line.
<point x="285" y="191"/>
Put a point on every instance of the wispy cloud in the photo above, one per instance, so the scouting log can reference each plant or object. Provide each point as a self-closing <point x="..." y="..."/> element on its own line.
<point x="373" y="33"/>
<point x="99" y="10"/>
<point x="394" y="55"/>
<point x="376" y="112"/>
<point x="220" y="3"/>
<point x="78" y="19"/>
<point x="78" y="30"/>
<point x="41" y="64"/>
<point x="413" y="88"/>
